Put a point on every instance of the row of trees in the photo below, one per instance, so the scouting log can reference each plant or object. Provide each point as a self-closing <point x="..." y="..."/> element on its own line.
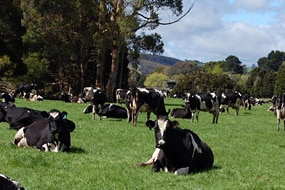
<point x="265" y="80"/>
<point x="77" y="43"/>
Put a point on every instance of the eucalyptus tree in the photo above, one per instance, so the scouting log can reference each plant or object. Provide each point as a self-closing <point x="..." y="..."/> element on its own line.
<point x="11" y="33"/>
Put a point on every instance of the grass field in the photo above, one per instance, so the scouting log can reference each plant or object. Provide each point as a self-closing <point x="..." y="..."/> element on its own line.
<point x="249" y="153"/>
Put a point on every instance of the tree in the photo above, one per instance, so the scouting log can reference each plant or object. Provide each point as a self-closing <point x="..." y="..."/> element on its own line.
<point x="279" y="87"/>
<point x="156" y="80"/>
<point x="233" y="64"/>
<point x="273" y="61"/>
<point x="11" y="32"/>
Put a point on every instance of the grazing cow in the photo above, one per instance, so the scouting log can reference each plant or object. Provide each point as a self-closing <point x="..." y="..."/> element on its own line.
<point x="25" y="89"/>
<point x="109" y="111"/>
<point x="184" y="113"/>
<point x="231" y="99"/>
<point x="49" y="134"/>
<point x="144" y="100"/>
<point x="207" y="102"/>
<point x="184" y="152"/>
<point x="18" y="117"/>
<point x="7" y="183"/>
<point x="121" y="95"/>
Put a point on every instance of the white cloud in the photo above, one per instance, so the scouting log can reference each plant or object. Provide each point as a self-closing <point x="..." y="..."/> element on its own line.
<point x="205" y="35"/>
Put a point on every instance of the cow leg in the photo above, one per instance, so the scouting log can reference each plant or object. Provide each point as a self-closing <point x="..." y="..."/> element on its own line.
<point x="148" y="116"/>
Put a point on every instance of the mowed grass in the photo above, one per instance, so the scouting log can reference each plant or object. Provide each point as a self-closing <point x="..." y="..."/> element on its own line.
<point x="249" y="153"/>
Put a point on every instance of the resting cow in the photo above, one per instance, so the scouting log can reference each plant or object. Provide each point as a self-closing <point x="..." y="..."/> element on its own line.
<point x="184" y="152"/>
<point x="49" y="134"/>
<point x="144" y="100"/>
<point x="109" y="111"/>
<point x="7" y="183"/>
<point x="207" y="102"/>
<point x="18" y="117"/>
<point x="184" y="113"/>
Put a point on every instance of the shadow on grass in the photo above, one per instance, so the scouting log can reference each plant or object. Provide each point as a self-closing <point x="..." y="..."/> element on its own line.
<point x="77" y="150"/>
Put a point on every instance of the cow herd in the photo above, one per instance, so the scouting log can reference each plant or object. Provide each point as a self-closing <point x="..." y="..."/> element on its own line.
<point x="178" y="150"/>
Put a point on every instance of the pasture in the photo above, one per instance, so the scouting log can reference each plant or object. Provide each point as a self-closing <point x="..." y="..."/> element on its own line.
<point x="249" y="153"/>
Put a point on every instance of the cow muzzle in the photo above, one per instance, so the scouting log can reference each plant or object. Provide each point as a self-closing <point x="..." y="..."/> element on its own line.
<point x="160" y="143"/>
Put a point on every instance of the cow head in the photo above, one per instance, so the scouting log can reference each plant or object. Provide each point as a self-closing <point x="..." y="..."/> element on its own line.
<point x="162" y="126"/>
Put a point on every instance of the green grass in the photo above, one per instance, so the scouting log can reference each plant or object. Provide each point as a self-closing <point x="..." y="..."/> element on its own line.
<point x="249" y="153"/>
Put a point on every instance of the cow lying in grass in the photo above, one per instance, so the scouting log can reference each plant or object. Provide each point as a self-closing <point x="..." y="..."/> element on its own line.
<point x="51" y="134"/>
<point x="179" y="151"/>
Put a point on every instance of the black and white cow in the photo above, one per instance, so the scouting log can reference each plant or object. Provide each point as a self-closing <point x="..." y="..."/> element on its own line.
<point x="97" y="101"/>
<point x="182" y="150"/>
<point x="8" y="98"/>
<point x="279" y="109"/>
<point x="6" y="183"/>
<point x="207" y="102"/>
<point x="18" y="117"/>
<point x="49" y="134"/>
<point x="144" y="100"/>
<point x="121" y="95"/>
<point x="110" y="111"/>
<point x="231" y="99"/>
<point x="25" y="89"/>
<point x="247" y="101"/>
<point x="184" y="113"/>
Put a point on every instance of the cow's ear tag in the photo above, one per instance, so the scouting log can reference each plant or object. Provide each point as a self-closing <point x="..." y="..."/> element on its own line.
<point x="64" y="115"/>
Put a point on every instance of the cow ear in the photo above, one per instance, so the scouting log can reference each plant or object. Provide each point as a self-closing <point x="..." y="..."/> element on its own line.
<point x="150" y="124"/>
<point x="64" y="115"/>
<point x="173" y="124"/>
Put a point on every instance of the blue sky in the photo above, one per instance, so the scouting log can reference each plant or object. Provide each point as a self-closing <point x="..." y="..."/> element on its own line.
<point x="215" y="29"/>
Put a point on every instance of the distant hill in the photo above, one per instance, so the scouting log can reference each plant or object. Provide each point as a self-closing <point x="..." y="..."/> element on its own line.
<point x="148" y="63"/>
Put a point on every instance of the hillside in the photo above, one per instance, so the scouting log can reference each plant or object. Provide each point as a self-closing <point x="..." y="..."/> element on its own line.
<point x="148" y="63"/>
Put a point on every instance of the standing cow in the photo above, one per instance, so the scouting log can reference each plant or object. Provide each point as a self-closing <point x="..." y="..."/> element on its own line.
<point x="207" y="102"/>
<point x="231" y="99"/>
<point x="182" y="150"/>
<point x="97" y="99"/>
<point x="144" y="100"/>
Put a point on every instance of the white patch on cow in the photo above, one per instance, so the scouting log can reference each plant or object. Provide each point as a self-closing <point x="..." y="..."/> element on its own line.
<point x="182" y="171"/>
<point x="195" y="146"/>
<point x="143" y="90"/>
<point x="45" y="146"/>
<point x="162" y="123"/>
<point x="54" y="114"/>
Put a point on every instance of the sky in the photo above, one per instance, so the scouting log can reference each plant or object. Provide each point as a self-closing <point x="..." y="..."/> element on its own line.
<point x="215" y="29"/>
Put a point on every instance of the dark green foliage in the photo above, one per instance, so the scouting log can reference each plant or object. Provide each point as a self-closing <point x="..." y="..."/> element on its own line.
<point x="11" y="32"/>
<point x="280" y="80"/>
<point x="273" y="61"/>
<point x="204" y="82"/>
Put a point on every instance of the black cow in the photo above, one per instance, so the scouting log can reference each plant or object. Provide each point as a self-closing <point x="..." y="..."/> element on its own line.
<point x="49" y="134"/>
<point x="25" y="89"/>
<point x="7" y="183"/>
<point x="207" y="102"/>
<point x="231" y="99"/>
<point x="182" y="149"/>
<point x="121" y="95"/>
<point x="18" y="117"/>
<point x="184" y="113"/>
<point x="144" y="100"/>
<point x="110" y="111"/>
